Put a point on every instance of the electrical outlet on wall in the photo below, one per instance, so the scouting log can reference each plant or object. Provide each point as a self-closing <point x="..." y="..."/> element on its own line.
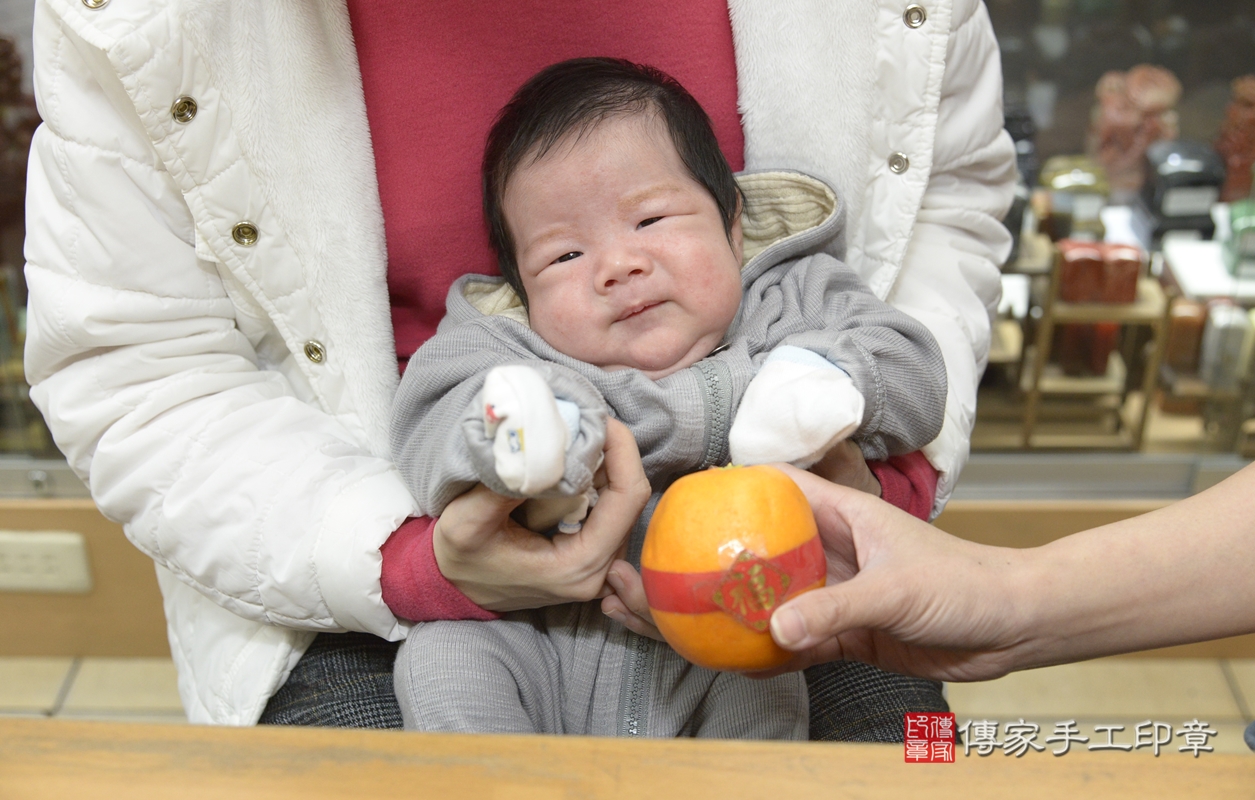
<point x="44" y="561"/>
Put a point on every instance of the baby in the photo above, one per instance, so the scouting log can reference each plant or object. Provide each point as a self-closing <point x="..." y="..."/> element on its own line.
<point x="640" y="281"/>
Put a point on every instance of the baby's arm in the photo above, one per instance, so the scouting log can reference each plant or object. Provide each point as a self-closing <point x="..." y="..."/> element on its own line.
<point x="860" y="359"/>
<point x="443" y="445"/>
<point x="795" y="409"/>
<point x="520" y="434"/>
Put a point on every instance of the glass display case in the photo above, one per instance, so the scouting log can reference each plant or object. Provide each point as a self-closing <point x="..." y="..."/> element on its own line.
<point x="1141" y="115"/>
<point x="22" y="430"/>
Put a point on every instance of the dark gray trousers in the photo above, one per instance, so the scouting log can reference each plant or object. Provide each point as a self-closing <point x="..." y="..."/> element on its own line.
<point x="344" y="680"/>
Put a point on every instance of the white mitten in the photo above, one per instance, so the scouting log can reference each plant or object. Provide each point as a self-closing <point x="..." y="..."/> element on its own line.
<point x="529" y="435"/>
<point x="531" y="431"/>
<point x="795" y="409"/>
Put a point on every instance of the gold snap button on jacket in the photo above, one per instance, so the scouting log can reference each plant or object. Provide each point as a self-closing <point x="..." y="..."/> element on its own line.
<point x="914" y="15"/>
<point x="95" y="3"/>
<point x="244" y="233"/>
<point x="899" y="163"/>
<point x="315" y="352"/>
<point x="184" y="109"/>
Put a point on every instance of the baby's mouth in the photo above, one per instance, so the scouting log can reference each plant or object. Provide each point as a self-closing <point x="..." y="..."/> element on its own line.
<point x="637" y="309"/>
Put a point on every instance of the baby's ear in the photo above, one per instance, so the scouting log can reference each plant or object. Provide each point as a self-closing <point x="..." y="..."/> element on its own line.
<point x="735" y="236"/>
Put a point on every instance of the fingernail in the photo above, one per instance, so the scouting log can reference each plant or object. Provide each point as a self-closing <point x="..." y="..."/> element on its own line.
<point x="613" y="578"/>
<point x="788" y="627"/>
<point x="614" y="615"/>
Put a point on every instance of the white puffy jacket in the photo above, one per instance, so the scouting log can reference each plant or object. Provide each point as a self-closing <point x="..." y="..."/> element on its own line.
<point x="209" y="335"/>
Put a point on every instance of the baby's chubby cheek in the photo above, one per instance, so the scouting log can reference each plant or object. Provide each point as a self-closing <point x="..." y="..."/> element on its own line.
<point x="724" y="296"/>
<point x="567" y="330"/>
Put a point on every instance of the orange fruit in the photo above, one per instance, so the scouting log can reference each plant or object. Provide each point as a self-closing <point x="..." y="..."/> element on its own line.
<point x="724" y="548"/>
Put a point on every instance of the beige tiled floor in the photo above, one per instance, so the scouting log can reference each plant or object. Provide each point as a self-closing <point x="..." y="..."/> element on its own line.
<point x="1119" y="691"/>
<point x="123" y="687"/>
<point x="1104" y="692"/>
<point x="1243" y="672"/>
<point x="120" y="689"/>
<point x="31" y="685"/>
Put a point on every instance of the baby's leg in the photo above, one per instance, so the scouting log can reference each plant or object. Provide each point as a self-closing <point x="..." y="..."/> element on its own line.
<point x="479" y="677"/>
<point x="737" y="707"/>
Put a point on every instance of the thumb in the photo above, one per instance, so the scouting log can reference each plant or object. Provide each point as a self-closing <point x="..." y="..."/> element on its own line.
<point x="476" y="516"/>
<point x="492" y="505"/>
<point x="821" y="614"/>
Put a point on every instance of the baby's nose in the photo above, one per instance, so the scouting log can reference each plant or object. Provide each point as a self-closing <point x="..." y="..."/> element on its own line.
<point x="623" y="266"/>
<point x="621" y="276"/>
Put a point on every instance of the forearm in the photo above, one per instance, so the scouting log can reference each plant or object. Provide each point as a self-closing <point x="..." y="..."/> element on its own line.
<point x="258" y="499"/>
<point x="443" y="441"/>
<point x="891" y="357"/>
<point x="261" y="503"/>
<point x="1181" y="574"/>
<point x="426" y="436"/>
<point x="438" y="399"/>
<point x="413" y="585"/>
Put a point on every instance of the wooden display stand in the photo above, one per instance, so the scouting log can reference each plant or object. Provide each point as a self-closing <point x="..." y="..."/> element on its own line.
<point x="1150" y="309"/>
<point x="1221" y="408"/>
<point x="1006" y="342"/>
<point x="1195" y="269"/>
<point x="1036" y="257"/>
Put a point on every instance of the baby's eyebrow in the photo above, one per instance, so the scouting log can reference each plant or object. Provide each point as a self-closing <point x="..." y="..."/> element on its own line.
<point x="550" y="233"/>
<point x="631" y="201"/>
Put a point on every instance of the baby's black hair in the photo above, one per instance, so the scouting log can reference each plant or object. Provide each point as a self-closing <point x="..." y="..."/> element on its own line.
<point x="573" y="97"/>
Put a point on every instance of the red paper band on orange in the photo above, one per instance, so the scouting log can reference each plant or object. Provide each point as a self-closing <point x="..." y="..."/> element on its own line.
<point x="693" y="592"/>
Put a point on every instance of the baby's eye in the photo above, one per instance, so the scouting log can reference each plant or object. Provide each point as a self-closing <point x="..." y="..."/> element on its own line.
<point x="647" y="222"/>
<point x="567" y="257"/>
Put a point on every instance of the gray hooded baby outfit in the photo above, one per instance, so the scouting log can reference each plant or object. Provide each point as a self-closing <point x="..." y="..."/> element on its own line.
<point x="569" y="669"/>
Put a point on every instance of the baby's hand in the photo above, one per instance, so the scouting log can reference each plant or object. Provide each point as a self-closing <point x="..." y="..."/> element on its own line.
<point x="529" y="433"/>
<point x="628" y="604"/>
<point x="795" y="409"/>
<point x="844" y="464"/>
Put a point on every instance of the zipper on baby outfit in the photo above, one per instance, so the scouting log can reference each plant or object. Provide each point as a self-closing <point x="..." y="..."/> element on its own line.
<point x="639" y="662"/>
<point x="640" y="651"/>
<point x="717" y="396"/>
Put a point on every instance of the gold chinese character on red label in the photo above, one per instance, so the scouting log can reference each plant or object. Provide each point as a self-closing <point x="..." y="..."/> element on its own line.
<point x="751" y="589"/>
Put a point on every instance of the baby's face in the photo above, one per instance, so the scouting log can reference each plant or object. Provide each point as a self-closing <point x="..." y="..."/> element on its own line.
<point x="622" y="253"/>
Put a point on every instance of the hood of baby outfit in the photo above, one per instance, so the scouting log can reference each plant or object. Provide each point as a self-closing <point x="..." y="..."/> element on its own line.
<point x="786" y="215"/>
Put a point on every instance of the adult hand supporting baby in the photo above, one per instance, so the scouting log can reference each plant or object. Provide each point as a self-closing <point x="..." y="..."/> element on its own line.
<point x="502" y="566"/>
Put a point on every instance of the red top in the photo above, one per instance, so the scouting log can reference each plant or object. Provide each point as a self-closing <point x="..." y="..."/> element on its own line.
<point x="908" y="482"/>
<point x="434" y="75"/>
